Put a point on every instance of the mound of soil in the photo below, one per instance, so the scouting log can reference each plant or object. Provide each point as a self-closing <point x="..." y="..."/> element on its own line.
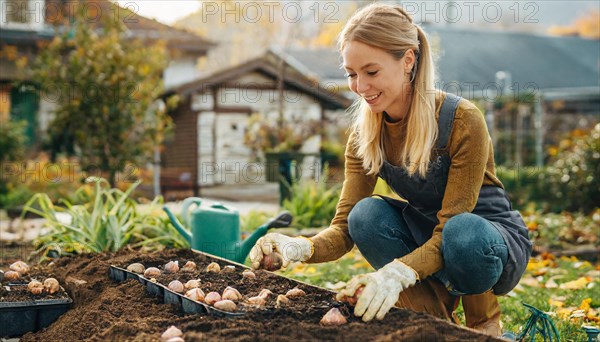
<point x="106" y="310"/>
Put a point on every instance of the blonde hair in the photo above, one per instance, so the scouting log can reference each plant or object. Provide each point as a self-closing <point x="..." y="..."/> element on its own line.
<point x="391" y="29"/>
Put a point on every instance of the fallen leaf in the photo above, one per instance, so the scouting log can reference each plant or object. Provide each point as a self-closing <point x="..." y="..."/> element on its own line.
<point x="564" y="312"/>
<point x="530" y="281"/>
<point x="585" y="304"/>
<point x="534" y="264"/>
<point x="577" y="314"/>
<point x="581" y="264"/>
<point x="362" y="264"/>
<point x="311" y="270"/>
<point x="556" y="303"/>
<point x="551" y="284"/>
<point x="571" y="259"/>
<point x="575" y="284"/>
<point x="592" y="315"/>
<point x="548" y="256"/>
<point x="594" y="274"/>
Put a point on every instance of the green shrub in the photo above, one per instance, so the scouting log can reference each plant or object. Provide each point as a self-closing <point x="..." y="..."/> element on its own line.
<point x="573" y="178"/>
<point x="15" y="195"/>
<point x="12" y="148"/>
<point x="524" y="186"/>
<point x="107" y="222"/>
<point x="312" y="202"/>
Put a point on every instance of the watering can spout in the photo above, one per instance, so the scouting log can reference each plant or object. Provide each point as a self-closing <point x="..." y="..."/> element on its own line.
<point x="284" y="219"/>
<point x="178" y="225"/>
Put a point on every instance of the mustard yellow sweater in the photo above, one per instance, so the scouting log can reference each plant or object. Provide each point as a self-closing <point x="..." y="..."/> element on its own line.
<point x="472" y="166"/>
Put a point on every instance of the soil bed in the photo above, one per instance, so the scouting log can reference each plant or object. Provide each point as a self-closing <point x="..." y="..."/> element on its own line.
<point x="106" y="310"/>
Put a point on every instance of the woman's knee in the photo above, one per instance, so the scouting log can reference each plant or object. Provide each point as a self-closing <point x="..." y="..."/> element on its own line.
<point x="362" y="217"/>
<point x="466" y="231"/>
<point x="474" y="253"/>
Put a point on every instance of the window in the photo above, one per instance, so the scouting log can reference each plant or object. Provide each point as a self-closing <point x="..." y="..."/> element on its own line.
<point x="22" y="14"/>
<point x="17" y="11"/>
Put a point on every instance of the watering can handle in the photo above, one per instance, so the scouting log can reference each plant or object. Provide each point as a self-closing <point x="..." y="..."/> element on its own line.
<point x="221" y="206"/>
<point x="185" y="214"/>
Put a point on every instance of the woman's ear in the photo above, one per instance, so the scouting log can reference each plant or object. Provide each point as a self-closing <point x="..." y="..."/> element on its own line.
<point x="409" y="60"/>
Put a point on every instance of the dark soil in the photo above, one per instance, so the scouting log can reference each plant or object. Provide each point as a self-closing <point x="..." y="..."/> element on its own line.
<point x="104" y="310"/>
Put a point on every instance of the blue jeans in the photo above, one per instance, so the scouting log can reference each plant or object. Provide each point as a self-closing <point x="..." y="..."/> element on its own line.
<point x="473" y="251"/>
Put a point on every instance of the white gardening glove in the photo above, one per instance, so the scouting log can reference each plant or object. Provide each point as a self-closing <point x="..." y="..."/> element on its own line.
<point x="381" y="289"/>
<point x="292" y="249"/>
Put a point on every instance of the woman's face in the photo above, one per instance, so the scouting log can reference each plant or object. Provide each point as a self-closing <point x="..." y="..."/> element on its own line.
<point x="377" y="77"/>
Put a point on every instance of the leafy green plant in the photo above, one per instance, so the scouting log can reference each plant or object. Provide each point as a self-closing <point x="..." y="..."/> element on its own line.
<point x="105" y="223"/>
<point x="572" y="178"/>
<point x="312" y="202"/>
<point x="12" y="148"/>
<point x="253" y="220"/>
<point x="280" y="135"/>
<point x="524" y="186"/>
<point x="16" y="195"/>
<point x="332" y="152"/>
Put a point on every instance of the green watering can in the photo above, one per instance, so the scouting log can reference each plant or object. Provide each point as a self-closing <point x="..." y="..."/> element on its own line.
<point x="216" y="229"/>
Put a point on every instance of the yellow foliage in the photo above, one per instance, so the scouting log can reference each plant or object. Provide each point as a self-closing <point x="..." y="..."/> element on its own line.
<point x="535" y="264"/>
<point x="10" y="52"/>
<point x="362" y="264"/>
<point x="564" y="313"/>
<point x="587" y="26"/>
<point x="571" y="258"/>
<point x="328" y="35"/>
<point x="592" y="315"/>
<point x="22" y="62"/>
<point x="585" y="304"/>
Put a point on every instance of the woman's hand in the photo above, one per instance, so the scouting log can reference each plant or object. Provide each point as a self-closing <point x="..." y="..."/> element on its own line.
<point x="291" y="249"/>
<point x="381" y="289"/>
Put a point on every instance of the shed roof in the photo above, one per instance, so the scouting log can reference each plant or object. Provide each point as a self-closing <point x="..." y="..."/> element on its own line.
<point x="268" y="65"/>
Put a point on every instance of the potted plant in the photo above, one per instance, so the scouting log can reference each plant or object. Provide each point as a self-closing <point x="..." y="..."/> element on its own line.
<point x="279" y="143"/>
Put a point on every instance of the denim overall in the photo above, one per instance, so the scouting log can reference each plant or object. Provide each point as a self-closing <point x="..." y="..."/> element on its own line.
<point x="425" y="197"/>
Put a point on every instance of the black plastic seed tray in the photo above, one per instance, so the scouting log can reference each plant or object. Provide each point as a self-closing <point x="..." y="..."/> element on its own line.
<point x="188" y="306"/>
<point x="18" y="318"/>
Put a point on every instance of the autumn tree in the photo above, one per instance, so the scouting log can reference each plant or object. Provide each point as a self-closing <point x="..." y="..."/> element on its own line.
<point x="586" y="26"/>
<point x="105" y="86"/>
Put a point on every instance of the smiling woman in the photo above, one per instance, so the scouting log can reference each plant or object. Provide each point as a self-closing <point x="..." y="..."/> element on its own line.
<point x="455" y="235"/>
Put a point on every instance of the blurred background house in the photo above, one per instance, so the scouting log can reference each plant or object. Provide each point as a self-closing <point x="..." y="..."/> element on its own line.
<point x="533" y="68"/>
<point x="26" y="25"/>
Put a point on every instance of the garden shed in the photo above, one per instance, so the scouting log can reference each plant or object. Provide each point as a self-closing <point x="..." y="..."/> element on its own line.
<point x="211" y="120"/>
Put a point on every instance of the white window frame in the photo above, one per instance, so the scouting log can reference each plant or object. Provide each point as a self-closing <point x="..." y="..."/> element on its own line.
<point x="35" y="15"/>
